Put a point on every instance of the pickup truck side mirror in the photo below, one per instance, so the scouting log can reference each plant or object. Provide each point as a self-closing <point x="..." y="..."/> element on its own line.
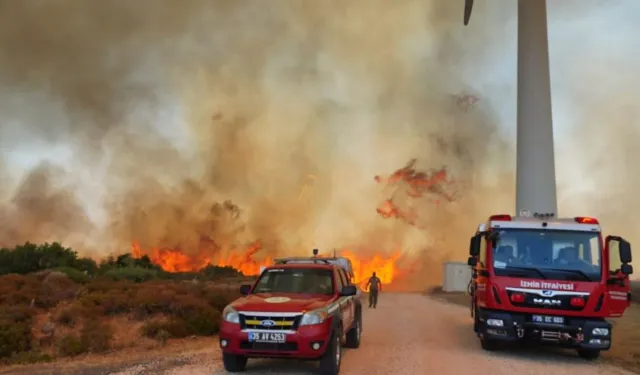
<point x="245" y="289"/>
<point x="348" y="290"/>
<point x="626" y="269"/>
<point x="472" y="261"/>
<point x="625" y="251"/>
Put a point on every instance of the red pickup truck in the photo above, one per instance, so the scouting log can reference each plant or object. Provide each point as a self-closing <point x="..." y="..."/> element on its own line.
<point x="298" y="311"/>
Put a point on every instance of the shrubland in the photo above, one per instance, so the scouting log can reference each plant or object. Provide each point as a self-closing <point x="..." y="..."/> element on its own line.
<point x="56" y="304"/>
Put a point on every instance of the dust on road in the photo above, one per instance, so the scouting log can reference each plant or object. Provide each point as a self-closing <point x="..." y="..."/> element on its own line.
<point x="406" y="334"/>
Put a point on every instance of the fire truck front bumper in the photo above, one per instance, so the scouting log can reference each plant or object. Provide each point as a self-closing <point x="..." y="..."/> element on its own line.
<point x="573" y="332"/>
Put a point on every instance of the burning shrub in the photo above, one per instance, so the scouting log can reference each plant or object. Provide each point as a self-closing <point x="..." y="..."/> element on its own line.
<point x="96" y="336"/>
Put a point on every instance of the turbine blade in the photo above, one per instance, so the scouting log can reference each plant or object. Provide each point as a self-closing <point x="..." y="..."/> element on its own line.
<point x="468" y="6"/>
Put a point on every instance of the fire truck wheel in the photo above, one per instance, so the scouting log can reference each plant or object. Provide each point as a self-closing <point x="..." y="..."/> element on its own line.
<point x="353" y="335"/>
<point x="234" y="363"/>
<point x="488" y="344"/>
<point x="589" y="354"/>
<point x="330" y="361"/>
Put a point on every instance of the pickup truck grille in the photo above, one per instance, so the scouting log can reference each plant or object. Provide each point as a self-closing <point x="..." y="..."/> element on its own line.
<point x="270" y="323"/>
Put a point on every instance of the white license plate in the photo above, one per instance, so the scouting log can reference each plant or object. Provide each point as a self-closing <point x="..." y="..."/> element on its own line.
<point x="547" y="319"/>
<point x="267" y="337"/>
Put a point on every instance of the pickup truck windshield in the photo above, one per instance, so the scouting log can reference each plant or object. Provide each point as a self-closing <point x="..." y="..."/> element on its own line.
<point x="296" y="280"/>
<point x="548" y="254"/>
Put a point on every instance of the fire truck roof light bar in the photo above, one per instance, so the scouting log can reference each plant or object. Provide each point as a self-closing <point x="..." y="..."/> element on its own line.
<point x="503" y="217"/>
<point x="586" y="220"/>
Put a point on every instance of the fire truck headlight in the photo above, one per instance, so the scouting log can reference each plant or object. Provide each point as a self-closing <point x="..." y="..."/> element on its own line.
<point x="600" y="332"/>
<point x="495" y="322"/>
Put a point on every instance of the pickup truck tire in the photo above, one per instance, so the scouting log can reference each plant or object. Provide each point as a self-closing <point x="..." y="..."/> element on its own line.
<point x="589" y="354"/>
<point x="353" y="335"/>
<point x="234" y="363"/>
<point x="330" y="361"/>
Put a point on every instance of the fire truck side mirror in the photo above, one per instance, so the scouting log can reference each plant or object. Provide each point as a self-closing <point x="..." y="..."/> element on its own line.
<point x="474" y="245"/>
<point x="472" y="261"/>
<point x="625" y="251"/>
<point x="626" y="269"/>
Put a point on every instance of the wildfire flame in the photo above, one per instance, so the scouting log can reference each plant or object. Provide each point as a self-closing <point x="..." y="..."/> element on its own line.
<point x="385" y="267"/>
<point x="173" y="260"/>
<point x="418" y="185"/>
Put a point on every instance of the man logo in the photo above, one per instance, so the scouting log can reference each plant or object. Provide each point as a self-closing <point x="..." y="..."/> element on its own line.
<point x="547" y="302"/>
<point x="547" y="293"/>
<point x="267" y="323"/>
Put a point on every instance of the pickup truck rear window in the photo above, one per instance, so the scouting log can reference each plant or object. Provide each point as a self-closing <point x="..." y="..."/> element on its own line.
<point x="296" y="280"/>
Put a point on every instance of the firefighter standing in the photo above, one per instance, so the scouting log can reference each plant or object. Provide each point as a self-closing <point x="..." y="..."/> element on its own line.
<point x="375" y="286"/>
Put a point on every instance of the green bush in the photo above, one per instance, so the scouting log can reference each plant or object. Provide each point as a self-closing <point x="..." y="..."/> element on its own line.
<point x="135" y="274"/>
<point x="70" y="345"/>
<point x="25" y="358"/>
<point x="74" y="274"/>
<point x="14" y="338"/>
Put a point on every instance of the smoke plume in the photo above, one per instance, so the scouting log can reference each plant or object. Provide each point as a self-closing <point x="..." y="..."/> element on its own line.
<point x="163" y="110"/>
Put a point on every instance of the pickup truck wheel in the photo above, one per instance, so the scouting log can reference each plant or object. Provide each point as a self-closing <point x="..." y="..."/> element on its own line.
<point x="353" y="336"/>
<point x="589" y="354"/>
<point x="330" y="361"/>
<point x="234" y="363"/>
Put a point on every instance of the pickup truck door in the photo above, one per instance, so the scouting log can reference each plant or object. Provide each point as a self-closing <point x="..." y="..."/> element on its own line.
<point x="346" y="303"/>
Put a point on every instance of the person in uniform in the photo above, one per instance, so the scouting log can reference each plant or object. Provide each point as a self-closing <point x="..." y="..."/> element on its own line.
<point x="374" y="286"/>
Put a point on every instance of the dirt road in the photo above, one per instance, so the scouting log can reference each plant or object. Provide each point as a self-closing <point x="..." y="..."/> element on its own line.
<point x="425" y="336"/>
<point x="406" y="334"/>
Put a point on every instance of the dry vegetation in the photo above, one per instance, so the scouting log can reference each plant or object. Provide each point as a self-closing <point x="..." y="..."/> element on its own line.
<point x="46" y="315"/>
<point x="625" y="350"/>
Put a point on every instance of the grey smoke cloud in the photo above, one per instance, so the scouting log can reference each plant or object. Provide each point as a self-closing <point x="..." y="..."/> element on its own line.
<point x="157" y="110"/>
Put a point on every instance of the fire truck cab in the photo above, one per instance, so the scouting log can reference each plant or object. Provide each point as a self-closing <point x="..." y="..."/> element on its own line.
<point x="548" y="280"/>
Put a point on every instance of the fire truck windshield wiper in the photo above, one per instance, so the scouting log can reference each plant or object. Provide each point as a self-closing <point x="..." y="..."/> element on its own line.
<point x="577" y="272"/>
<point x="510" y="267"/>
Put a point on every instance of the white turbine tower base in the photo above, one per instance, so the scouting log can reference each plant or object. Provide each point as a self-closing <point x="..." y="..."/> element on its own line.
<point x="535" y="166"/>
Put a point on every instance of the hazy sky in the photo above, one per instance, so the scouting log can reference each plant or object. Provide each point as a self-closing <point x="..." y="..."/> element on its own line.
<point x="595" y="82"/>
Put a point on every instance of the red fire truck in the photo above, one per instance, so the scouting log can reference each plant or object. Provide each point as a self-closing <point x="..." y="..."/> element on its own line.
<point x="548" y="280"/>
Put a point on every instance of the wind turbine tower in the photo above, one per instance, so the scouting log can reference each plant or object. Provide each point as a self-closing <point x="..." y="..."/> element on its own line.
<point x="535" y="165"/>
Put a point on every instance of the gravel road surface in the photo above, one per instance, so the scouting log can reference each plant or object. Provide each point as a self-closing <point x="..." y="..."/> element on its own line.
<point x="406" y="334"/>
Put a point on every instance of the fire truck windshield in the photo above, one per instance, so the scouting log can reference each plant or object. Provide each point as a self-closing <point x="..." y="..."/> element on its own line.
<point x="550" y="254"/>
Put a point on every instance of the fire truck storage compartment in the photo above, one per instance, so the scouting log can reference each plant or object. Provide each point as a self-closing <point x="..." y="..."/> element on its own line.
<point x="456" y="276"/>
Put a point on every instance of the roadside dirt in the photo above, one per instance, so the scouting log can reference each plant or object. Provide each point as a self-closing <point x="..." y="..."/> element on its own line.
<point x="407" y="333"/>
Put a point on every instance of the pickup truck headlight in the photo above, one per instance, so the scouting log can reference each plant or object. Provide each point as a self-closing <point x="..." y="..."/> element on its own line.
<point x="314" y="317"/>
<point x="229" y="314"/>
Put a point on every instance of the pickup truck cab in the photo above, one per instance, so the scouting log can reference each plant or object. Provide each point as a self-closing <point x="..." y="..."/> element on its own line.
<point x="294" y="310"/>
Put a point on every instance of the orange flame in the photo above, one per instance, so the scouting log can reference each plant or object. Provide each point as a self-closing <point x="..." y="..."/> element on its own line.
<point x="418" y="184"/>
<point x="173" y="260"/>
<point x="386" y="268"/>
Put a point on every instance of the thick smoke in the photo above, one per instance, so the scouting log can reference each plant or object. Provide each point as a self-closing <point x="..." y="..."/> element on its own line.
<point x="285" y="108"/>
